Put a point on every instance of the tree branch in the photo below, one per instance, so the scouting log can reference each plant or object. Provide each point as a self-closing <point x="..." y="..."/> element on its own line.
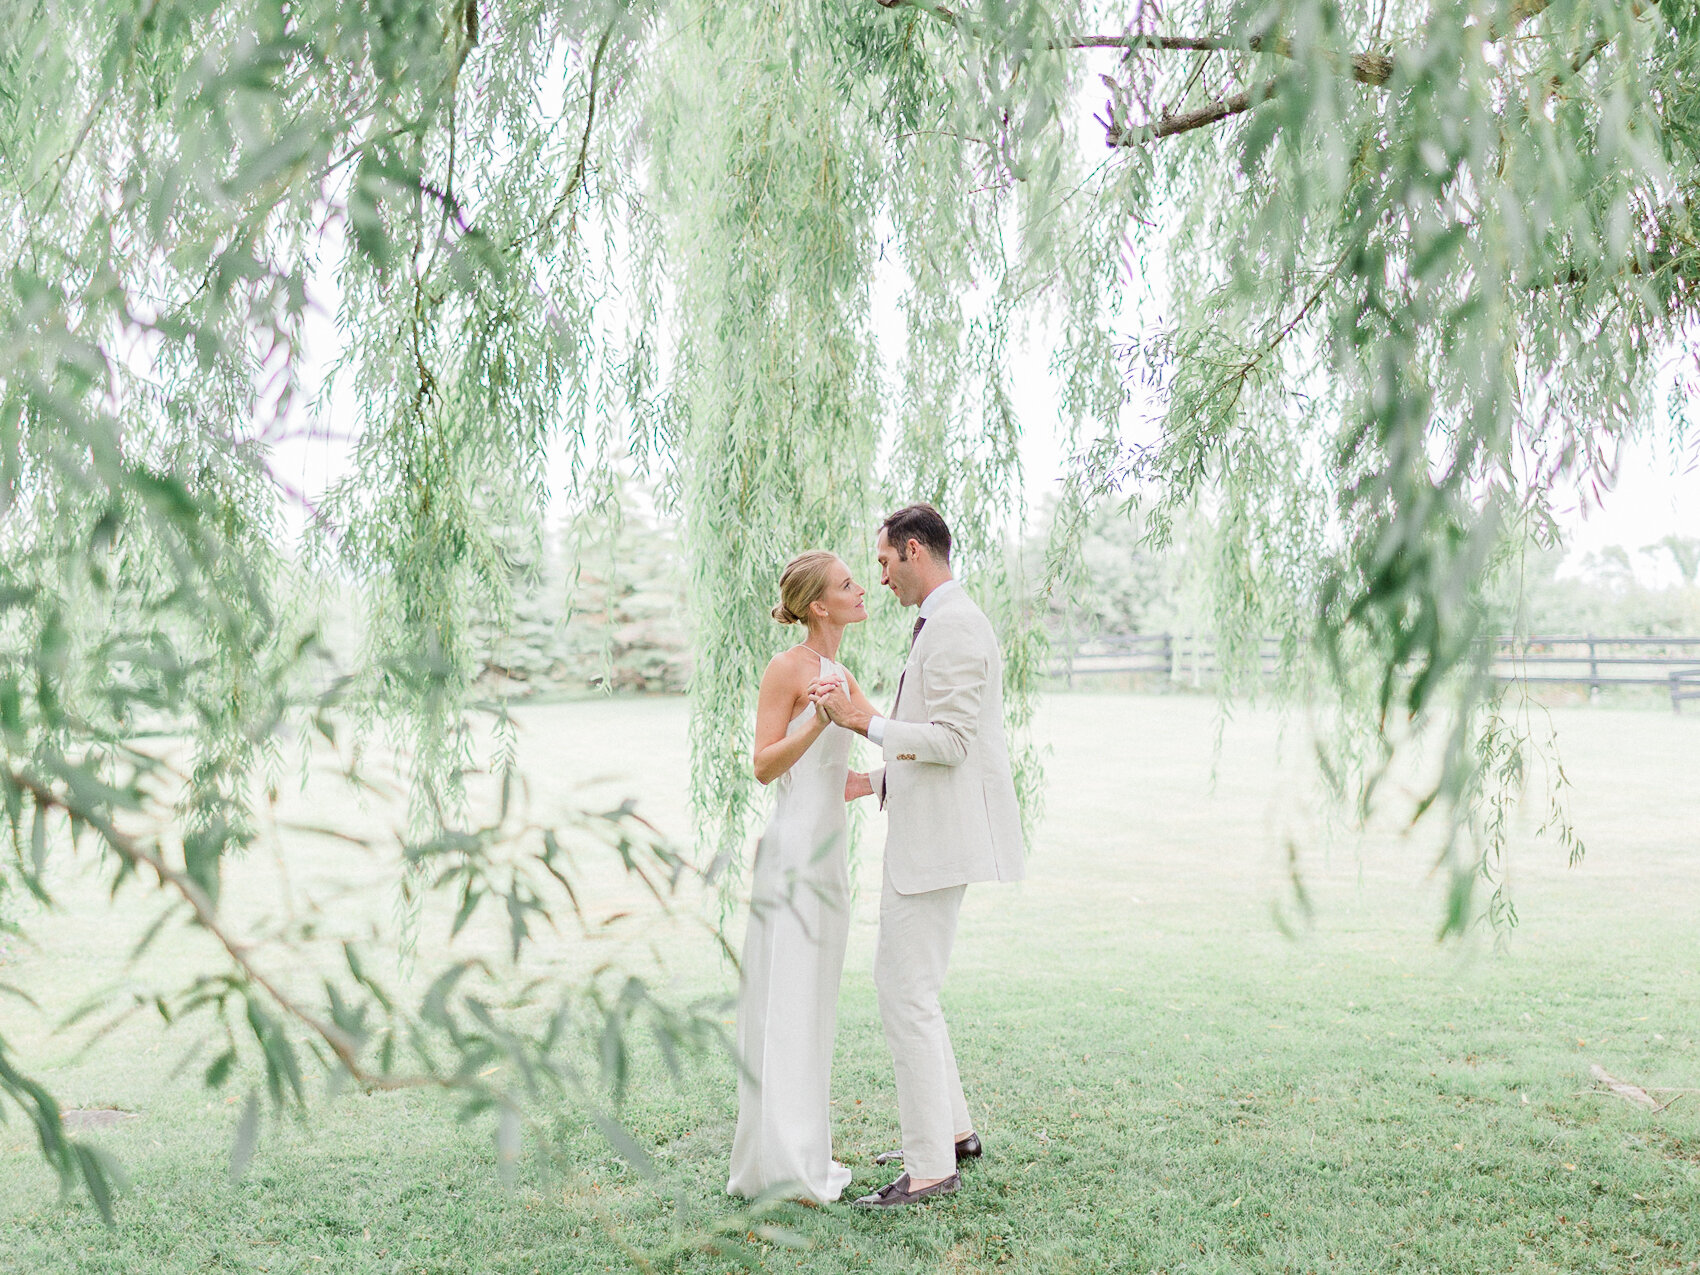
<point x="577" y="179"/>
<point x="947" y="16"/>
<point x="1520" y="13"/>
<point x="1587" y="55"/>
<point x="205" y="911"/>
<point x="1369" y="67"/>
<point x="1168" y="125"/>
<point x="1374" y="69"/>
<point x="1370" y="63"/>
<point x="1241" y="372"/>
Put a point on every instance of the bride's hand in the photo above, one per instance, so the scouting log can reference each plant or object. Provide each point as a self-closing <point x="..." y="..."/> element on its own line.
<point x="856" y="785"/>
<point x="831" y="698"/>
<point x="819" y="689"/>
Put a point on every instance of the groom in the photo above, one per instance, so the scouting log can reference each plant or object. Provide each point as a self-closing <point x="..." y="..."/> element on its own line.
<point x="953" y="819"/>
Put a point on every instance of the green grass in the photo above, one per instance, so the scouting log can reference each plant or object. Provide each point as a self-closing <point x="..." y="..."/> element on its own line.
<point x="1163" y="1082"/>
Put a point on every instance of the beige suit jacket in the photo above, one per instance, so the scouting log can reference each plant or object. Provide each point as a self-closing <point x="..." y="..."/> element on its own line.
<point x="946" y="784"/>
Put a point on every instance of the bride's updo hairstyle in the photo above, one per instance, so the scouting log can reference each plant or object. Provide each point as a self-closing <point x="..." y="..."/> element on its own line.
<point x="804" y="579"/>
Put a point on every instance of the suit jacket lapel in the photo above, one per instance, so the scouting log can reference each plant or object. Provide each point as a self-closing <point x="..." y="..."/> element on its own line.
<point x="919" y="638"/>
<point x="948" y="602"/>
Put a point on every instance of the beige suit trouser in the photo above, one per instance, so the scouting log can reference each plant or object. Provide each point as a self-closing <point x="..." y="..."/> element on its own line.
<point x="910" y="961"/>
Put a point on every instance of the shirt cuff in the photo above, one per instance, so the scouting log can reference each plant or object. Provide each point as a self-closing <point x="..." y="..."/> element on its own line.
<point x="876" y="731"/>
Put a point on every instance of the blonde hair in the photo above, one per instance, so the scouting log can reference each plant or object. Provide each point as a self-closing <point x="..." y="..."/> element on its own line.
<point x="802" y="582"/>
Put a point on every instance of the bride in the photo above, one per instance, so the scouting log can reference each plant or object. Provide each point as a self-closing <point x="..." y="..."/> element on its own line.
<point x="799" y="899"/>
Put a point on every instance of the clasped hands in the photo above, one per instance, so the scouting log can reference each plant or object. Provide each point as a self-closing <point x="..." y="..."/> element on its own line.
<point x="832" y="701"/>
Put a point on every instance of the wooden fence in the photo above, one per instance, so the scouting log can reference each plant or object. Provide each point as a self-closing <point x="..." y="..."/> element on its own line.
<point x="1589" y="660"/>
<point x="1179" y="657"/>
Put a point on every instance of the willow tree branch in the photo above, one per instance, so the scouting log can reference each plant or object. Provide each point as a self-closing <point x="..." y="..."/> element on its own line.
<point x="69" y="158"/>
<point x="140" y="855"/>
<point x="1241" y="372"/>
<point x="468" y="22"/>
<point x="1368" y="67"/>
<point x="1371" y="68"/>
<point x="575" y="182"/>
<point x="1588" y="54"/>
<point x="577" y="179"/>
<point x="948" y="16"/>
<point x="1168" y="125"/>
<point x="1520" y="13"/>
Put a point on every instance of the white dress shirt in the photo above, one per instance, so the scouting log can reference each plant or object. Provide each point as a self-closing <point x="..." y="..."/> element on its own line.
<point x="929" y="604"/>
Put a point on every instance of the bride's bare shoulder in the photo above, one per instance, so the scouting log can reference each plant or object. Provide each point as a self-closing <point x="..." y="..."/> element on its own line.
<point x="789" y="666"/>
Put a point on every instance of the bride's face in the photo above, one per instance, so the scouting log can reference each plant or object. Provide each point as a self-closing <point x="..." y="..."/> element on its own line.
<point x="842" y="600"/>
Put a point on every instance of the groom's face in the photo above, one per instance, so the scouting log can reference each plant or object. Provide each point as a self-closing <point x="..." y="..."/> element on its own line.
<point x="900" y="575"/>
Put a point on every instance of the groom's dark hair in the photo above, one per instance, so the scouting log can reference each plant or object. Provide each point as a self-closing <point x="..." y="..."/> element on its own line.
<point x="917" y="522"/>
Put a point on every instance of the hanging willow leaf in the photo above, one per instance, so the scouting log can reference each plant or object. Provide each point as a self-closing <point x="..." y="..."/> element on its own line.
<point x="1409" y="268"/>
<point x="247" y="1137"/>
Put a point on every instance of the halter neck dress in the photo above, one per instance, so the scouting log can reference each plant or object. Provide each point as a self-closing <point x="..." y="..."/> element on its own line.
<point x="793" y="960"/>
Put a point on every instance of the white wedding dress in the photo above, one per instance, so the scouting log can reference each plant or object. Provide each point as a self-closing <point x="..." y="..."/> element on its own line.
<point x="793" y="960"/>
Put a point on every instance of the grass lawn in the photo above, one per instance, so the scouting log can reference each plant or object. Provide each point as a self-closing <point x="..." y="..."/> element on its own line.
<point x="1163" y="1081"/>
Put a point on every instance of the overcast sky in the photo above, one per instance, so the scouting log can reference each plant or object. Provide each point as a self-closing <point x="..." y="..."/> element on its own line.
<point x="1655" y="492"/>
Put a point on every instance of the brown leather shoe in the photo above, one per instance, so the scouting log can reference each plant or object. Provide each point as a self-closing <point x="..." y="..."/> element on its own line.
<point x="896" y="1194"/>
<point x="968" y="1149"/>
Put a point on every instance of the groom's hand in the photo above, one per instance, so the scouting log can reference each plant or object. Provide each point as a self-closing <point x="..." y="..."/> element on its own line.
<point x="834" y="701"/>
<point x="856" y="785"/>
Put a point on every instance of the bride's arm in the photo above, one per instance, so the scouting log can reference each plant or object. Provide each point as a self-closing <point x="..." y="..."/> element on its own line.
<point x="775" y="751"/>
